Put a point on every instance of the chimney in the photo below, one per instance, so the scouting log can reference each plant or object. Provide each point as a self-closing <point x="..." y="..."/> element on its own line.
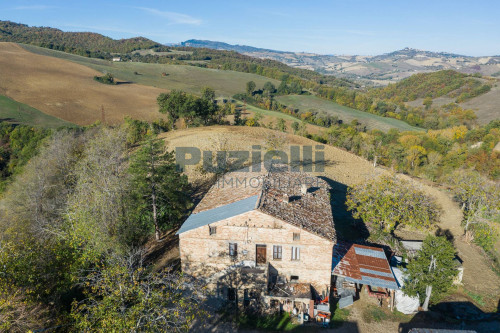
<point x="303" y="189"/>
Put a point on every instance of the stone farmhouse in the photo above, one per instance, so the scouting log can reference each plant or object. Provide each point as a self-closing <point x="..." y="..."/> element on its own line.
<point x="264" y="237"/>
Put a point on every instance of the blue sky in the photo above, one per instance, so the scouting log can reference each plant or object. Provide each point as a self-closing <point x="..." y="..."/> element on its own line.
<point x="366" y="27"/>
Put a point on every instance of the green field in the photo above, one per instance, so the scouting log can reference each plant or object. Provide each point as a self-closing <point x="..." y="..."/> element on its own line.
<point x="19" y="113"/>
<point x="264" y="112"/>
<point x="308" y="102"/>
<point x="184" y="77"/>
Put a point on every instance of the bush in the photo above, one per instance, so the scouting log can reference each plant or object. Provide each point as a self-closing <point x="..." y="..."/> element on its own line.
<point x="106" y="79"/>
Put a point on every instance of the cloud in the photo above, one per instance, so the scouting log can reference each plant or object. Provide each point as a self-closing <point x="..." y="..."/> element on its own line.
<point x="174" y="18"/>
<point x="34" y="7"/>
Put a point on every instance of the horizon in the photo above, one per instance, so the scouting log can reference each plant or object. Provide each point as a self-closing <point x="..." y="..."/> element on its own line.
<point x="360" y="27"/>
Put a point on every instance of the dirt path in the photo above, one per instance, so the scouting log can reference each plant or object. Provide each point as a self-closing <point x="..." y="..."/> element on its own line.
<point x="478" y="275"/>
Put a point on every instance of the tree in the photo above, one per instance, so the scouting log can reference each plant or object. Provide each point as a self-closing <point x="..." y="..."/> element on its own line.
<point x="281" y="125"/>
<point x="480" y="201"/>
<point x="250" y="87"/>
<point x="160" y="191"/>
<point x="208" y="94"/>
<point x="432" y="272"/>
<point x="237" y="116"/>
<point x="123" y="295"/>
<point x="427" y="102"/>
<point x="415" y="155"/>
<point x="172" y="104"/>
<point x="269" y="88"/>
<point x="387" y="202"/>
<point x="295" y="88"/>
<point x="283" y="88"/>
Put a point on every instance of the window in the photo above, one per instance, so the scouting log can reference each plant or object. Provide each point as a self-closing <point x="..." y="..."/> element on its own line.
<point x="296" y="236"/>
<point x="295" y="253"/>
<point x="233" y="249"/>
<point x="231" y="294"/>
<point x="212" y="230"/>
<point x="277" y="251"/>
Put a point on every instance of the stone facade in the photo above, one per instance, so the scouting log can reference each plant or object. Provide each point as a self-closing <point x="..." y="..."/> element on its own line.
<point x="205" y="255"/>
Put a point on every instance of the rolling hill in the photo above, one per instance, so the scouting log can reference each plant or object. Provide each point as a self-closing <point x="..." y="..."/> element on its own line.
<point x="346" y="114"/>
<point x="66" y="90"/>
<point x="379" y="70"/>
<point x="82" y="43"/>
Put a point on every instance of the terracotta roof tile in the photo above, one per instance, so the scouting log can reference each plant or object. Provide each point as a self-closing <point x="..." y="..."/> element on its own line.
<point x="294" y="197"/>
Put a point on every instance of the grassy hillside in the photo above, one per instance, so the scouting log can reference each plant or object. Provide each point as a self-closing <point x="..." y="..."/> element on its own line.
<point x="188" y="78"/>
<point x="307" y="102"/>
<point x="84" y="43"/>
<point x="18" y="113"/>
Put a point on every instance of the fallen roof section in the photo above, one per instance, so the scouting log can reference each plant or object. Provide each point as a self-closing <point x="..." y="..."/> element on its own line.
<point x="363" y="264"/>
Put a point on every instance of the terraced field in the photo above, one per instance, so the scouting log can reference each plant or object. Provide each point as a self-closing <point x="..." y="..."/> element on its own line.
<point x="346" y="114"/>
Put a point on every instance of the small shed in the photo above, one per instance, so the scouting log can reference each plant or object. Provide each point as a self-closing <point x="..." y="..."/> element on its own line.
<point x="354" y="265"/>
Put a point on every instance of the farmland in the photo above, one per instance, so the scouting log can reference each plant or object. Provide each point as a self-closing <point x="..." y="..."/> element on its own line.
<point x="308" y="103"/>
<point x="19" y="113"/>
<point x="66" y="90"/>
<point x="188" y="78"/>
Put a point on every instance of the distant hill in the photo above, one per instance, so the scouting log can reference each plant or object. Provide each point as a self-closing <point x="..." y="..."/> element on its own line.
<point x="224" y="46"/>
<point x="81" y="43"/>
<point x="374" y="70"/>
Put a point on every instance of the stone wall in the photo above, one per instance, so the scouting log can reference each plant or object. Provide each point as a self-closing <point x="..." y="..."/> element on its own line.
<point x="204" y="255"/>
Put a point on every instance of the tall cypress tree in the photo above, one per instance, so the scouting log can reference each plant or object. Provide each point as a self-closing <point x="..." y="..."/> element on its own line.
<point x="160" y="192"/>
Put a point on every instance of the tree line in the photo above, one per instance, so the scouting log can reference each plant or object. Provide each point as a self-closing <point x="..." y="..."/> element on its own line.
<point x="82" y="43"/>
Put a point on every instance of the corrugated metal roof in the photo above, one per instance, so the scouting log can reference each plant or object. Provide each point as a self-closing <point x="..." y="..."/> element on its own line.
<point x="375" y="253"/>
<point x="362" y="264"/>
<point x="218" y="214"/>
<point x="371" y="271"/>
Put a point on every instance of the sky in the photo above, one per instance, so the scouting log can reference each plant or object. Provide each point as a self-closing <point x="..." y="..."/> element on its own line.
<point x="362" y="27"/>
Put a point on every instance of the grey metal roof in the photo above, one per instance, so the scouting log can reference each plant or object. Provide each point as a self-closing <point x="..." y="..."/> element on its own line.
<point x="218" y="214"/>
<point x="370" y="253"/>
<point x="371" y="271"/>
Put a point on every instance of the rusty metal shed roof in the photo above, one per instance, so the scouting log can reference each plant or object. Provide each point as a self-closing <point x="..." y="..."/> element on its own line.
<point x="362" y="264"/>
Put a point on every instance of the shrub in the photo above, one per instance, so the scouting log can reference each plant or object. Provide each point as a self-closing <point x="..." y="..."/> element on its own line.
<point x="106" y="79"/>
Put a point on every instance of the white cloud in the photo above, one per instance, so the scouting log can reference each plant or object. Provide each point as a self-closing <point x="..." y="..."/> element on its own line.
<point x="34" y="7"/>
<point x="174" y="18"/>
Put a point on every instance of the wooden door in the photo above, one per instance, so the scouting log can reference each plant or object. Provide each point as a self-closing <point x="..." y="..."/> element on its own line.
<point x="261" y="254"/>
